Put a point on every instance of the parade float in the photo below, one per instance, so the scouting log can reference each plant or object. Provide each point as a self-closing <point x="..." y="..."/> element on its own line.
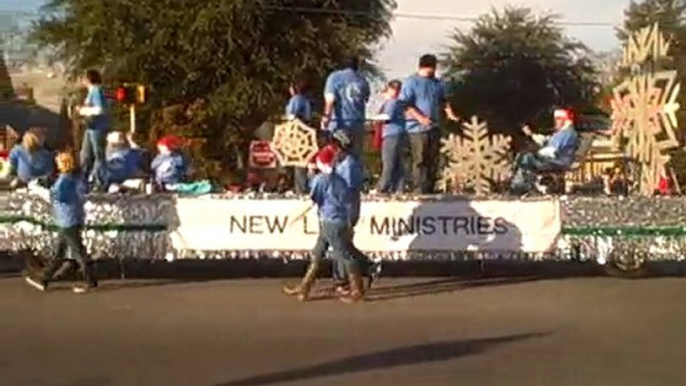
<point x="471" y="219"/>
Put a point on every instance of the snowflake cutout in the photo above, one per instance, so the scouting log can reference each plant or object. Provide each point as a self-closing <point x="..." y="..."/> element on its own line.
<point x="644" y="109"/>
<point x="294" y="143"/>
<point x="475" y="159"/>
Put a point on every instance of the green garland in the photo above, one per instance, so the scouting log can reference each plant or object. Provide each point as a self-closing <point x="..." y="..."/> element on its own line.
<point x="626" y="231"/>
<point x="95" y="227"/>
<point x="579" y="231"/>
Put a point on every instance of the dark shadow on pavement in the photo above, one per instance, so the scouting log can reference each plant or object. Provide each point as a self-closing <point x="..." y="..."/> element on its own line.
<point x="403" y="356"/>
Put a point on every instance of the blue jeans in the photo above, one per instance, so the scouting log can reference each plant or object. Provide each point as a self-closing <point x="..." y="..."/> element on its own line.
<point x="337" y="235"/>
<point x="527" y="164"/>
<point x="93" y="151"/>
<point x="392" y="173"/>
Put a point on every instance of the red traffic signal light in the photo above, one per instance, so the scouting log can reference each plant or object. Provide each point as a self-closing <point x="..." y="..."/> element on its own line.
<point x="131" y="94"/>
<point x="120" y="95"/>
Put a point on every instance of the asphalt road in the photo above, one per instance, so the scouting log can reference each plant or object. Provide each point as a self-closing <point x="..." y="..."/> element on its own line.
<point x="594" y="331"/>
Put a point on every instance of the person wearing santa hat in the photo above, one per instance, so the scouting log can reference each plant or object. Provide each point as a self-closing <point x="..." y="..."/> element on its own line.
<point x="330" y="193"/>
<point x="555" y="153"/>
<point x="169" y="166"/>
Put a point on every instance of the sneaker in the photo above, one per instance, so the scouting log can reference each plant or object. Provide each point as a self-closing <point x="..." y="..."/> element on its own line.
<point x="36" y="283"/>
<point x="84" y="288"/>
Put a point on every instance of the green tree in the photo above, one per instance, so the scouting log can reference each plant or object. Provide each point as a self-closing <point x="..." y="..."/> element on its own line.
<point x="236" y="56"/>
<point x="513" y="67"/>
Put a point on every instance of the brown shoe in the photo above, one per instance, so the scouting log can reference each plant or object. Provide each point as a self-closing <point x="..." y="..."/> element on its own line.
<point x="302" y="291"/>
<point x="356" y="289"/>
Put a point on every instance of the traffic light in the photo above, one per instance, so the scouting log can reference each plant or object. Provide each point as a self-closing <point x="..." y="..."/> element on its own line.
<point x="131" y="94"/>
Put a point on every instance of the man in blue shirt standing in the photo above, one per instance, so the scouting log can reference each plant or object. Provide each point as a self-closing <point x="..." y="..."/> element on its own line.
<point x="424" y="99"/>
<point x="299" y="108"/>
<point x="346" y="95"/>
<point x="556" y="153"/>
<point x="393" y="135"/>
<point x="95" y="111"/>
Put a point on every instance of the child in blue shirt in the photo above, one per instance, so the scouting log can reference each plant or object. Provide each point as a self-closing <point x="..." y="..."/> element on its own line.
<point x="68" y="199"/>
<point x="169" y="166"/>
<point x="394" y="135"/>
<point x="331" y="195"/>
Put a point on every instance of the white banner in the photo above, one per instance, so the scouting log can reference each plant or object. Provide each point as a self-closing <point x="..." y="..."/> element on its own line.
<point x="385" y="226"/>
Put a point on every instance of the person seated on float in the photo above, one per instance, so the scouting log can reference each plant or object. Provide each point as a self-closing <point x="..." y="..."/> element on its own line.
<point x="169" y="166"/>
<point x="29" y="160"/>
<point x="555" y="153"/>
<point x="122" y="162"/>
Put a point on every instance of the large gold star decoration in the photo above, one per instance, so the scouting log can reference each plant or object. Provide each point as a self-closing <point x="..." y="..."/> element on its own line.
<point x="476" y="159"/>
<point x="644" y="108"/>
<point x="294" y="143"/>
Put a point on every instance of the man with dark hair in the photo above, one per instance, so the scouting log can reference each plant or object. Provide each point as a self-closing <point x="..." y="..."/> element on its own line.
<point x="424" y="99"/>
<point x="94" y="110"/>
<point x="346" y="95"/>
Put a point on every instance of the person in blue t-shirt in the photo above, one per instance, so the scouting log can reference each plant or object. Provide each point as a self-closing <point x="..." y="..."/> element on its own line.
<point x="424" y="99"/>
<point x="122" y="162"/>
<point x="393" y="135"/>
<point x="95" y="111"/>
<point x="29" y="160"/>
<point x="346" y="95"/>
<point x="68" y="196"/>
<point x="169" y="166"/>
<point x="330" y="193"/>
<point x="555" y="153"/>
<point x="299" y="107"/>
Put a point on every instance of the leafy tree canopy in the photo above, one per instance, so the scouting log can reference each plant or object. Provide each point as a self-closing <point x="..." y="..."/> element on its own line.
<point x="236" y="56"/>
<point x="513" y="67"/>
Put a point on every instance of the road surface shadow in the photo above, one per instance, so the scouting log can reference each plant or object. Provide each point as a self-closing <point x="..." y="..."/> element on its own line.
<point x="403" y="356"/>
<point x="428" y="288"/>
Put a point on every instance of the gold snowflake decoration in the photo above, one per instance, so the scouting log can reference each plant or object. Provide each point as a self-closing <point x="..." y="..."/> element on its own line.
<point x="646" y="44"/>
<point x="294" y="143"/>
<point x="644" y="109"/>
<point x="475" y="159"/>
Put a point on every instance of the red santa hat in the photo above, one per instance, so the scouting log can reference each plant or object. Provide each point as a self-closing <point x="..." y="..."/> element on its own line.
<point x="564" y="114"/>
<point x="324" y="160"/>
<point x="171" y="142"/>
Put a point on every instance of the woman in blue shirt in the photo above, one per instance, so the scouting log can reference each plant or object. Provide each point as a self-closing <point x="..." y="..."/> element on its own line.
<point x="29" y="160"/>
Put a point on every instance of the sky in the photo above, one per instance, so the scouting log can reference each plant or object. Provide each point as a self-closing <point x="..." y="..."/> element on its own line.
<point x="412" y="38"/>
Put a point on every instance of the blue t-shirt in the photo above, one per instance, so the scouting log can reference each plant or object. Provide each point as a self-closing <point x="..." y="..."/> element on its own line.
<point x="169" y="169"/>
<point x="330" y="193"/>
<point x="565" y="143"/>
<point x="395" y="125"/>
<point x="351" y="94"/>
<point x="299" y="106"/>
<point x="96" y="98"/>
<point x="68" y="196"/>
<point x="426" y="95"/>
<point x="351" y="169"/>
<point x="123" y="164"/>
<point x="29" y="166"/>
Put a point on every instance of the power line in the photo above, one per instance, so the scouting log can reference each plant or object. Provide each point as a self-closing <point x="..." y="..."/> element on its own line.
<point x="397" y="15"/>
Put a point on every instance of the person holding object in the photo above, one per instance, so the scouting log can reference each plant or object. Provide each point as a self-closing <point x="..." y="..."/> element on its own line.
<point x="29" y="160"/>
<point x="346" y="95"/>
<point x="68" y="199"/>
<point x="122" y="162"/>
<point x="299" y="107"/>
<point x="95" y="112"/>
<point x="555" y="153"/>
<point x="424" y="99"/>
<point x="330" y="193"/>
<point x="393" y="138"/>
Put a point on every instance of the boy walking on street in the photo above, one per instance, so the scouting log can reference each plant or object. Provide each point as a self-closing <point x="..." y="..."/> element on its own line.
<point x="68" y="199"/>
